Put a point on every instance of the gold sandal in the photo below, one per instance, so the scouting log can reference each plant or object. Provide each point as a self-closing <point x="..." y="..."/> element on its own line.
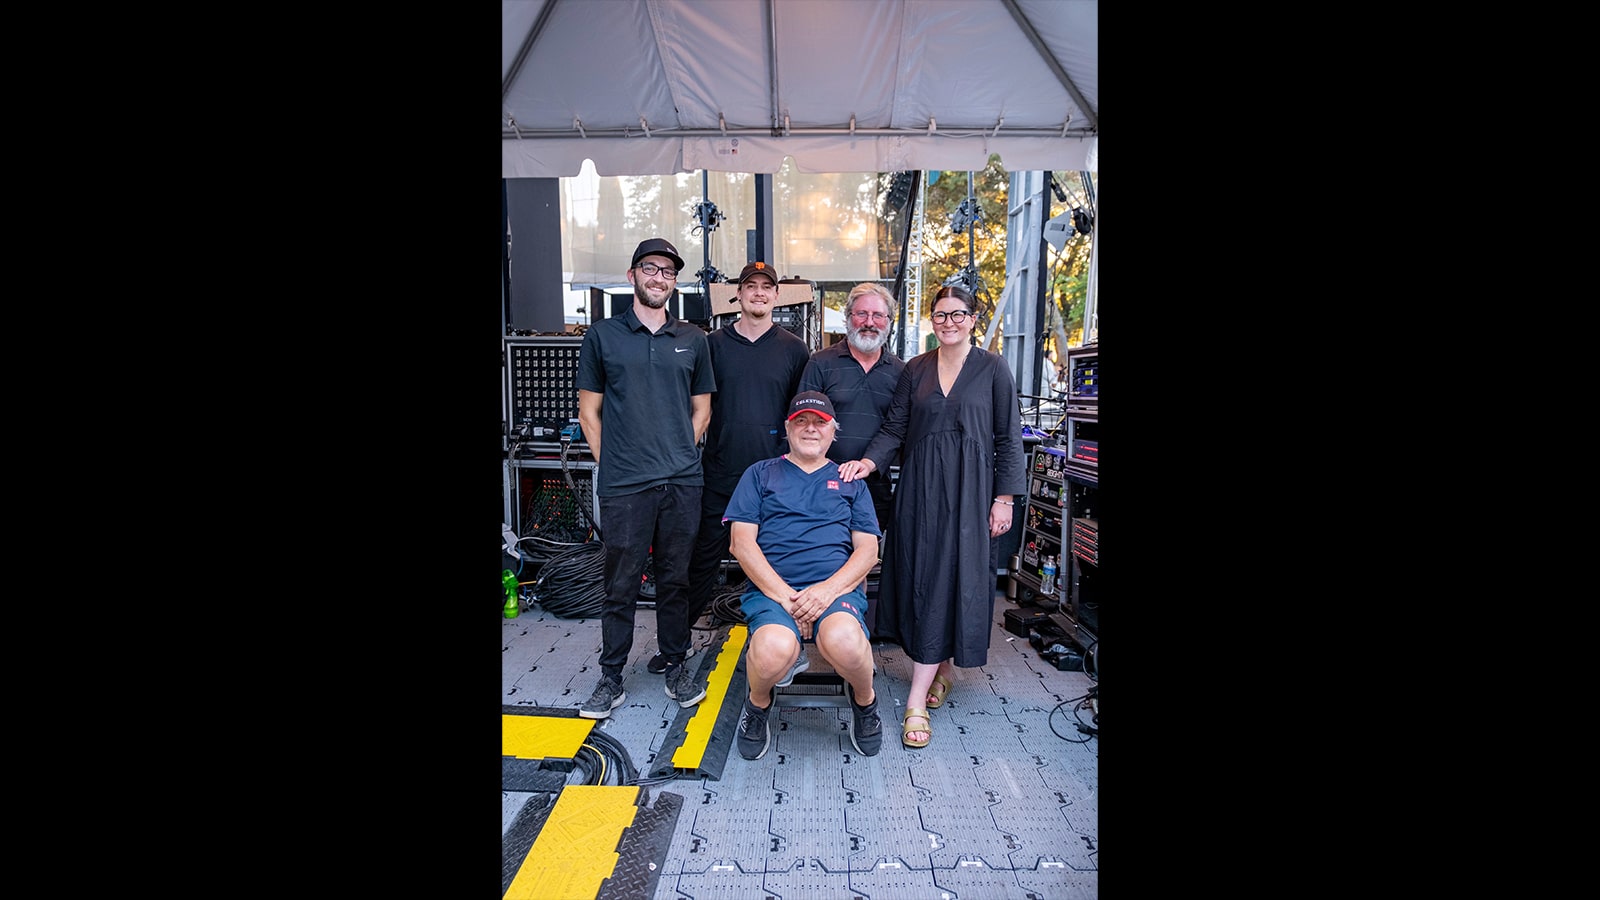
<point x="915" y="712"/>
<point x="936" y="693"/>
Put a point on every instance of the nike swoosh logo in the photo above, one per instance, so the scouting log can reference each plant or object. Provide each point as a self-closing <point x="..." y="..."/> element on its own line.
<point x="680" y="350"/>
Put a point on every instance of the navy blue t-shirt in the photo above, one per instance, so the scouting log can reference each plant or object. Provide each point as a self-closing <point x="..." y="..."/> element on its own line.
<point x="805" y="520"/>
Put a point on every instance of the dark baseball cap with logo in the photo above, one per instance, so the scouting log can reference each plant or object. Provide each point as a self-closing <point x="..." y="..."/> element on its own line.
<point x="757" y="268"/>
<point x="813" y="402"/>
<point x="657" y="247"/>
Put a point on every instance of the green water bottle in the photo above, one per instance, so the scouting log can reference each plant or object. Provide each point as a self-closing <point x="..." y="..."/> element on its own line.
<point x="509" y="579"/>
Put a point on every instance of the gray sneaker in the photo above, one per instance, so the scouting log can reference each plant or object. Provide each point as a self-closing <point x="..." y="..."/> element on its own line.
<point x="753" y="735"/>
<point x="682" y="688"/>
<point x="608" y="695"/>
<point x="800" y="665"/>
<point x="866" y="729"/>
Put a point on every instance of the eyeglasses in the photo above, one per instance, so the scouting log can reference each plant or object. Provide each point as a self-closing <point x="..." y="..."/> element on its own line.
<point x="652" y="269"/>
<point x="863" y="315"/>
<point x="957" y="316"/>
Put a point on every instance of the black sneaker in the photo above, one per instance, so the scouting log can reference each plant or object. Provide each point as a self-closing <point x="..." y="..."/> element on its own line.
<point x="608" y="695"/>
<point x="658" y="663"/>
<point x="754" y="732"/>
<point x="800" y="665"/>
<point x="866" y="729"/>
<point x="682" y="688"/>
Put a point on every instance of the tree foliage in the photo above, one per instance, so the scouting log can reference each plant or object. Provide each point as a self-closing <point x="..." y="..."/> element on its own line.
<point x="977" y="252"/>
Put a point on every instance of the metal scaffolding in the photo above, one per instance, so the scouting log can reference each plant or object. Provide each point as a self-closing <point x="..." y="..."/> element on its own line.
<point x="912" y="326"/>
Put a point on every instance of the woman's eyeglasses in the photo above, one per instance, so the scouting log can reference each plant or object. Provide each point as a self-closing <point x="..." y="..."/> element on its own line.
<point x="956" y="315"/>
<point x="653" y="270"/>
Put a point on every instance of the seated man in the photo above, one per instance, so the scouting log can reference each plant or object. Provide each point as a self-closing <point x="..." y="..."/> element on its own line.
<point x="806" y="539"/>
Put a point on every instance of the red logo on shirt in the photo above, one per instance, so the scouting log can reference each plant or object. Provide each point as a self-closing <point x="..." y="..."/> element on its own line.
<point x="833" y="485"/>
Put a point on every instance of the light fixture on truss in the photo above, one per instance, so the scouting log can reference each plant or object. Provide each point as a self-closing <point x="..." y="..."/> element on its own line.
<point x="968" y="279"/>
<point x="710" y="275"/>
<point x="966" y="216"/>
<point x="1061" y="228"/>
<point x="709" y="217"/>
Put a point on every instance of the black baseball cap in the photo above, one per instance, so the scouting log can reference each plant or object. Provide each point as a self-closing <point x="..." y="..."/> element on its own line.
<point x="811" y="401"/>
<point x="756" y="268"/>
<point x="657" y="247"/>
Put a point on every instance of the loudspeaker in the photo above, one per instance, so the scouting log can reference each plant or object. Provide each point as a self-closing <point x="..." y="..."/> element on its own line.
<point x="533" y="217"/>
<point x="696" y="308"/>
<point x="617" y="304"/>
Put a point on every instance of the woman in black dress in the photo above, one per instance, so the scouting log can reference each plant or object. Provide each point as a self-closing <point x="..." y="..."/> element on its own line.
<point x="956" y="420"/>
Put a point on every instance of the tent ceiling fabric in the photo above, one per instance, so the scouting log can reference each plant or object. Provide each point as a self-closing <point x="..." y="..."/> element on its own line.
<point x="655" y="87"/>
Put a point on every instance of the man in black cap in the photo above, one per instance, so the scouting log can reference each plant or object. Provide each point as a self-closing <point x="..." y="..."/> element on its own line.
<point x="806" y="539"/>
<point x="758" y="366"/>
<point x="644" y="401"/>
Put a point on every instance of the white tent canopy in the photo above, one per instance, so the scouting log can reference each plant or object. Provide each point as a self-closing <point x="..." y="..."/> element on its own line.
<point x="654" y="87"/>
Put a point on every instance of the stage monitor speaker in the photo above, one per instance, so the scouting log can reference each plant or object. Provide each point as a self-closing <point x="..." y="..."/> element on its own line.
<point x="620" y="303"/>
<point x="695" y="308"/>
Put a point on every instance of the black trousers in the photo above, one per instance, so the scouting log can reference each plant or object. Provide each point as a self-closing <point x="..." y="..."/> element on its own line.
<point x="883" y="504"/>
<point x="710" y="549"/>
<point x="655" y="525"/>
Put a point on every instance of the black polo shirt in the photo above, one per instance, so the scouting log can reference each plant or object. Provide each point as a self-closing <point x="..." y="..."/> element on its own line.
<point x="860" y="398"/>
<point x="646" y="416"/>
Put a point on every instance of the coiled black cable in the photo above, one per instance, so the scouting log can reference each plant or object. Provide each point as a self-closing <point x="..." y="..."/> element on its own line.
<point x="591" y="766"/>
<point x="724" y="606"/>
<point x="571" y="584"/>
<point x="621" y="764"/>
<point x="1084" y="702"/>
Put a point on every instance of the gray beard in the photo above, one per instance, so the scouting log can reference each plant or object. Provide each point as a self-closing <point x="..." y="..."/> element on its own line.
<point x="865" y="343"/>
<point x="642" y="296"/>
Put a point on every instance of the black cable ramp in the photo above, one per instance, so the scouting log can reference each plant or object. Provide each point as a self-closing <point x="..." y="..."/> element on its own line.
<point x="553" y="850"/>
<point x="519" y="838"/>
<point x="697" y="745"/>
<point x="642" y="850"/>
<point x="550" y="849"/>
<point x="536" y="753"/>
<point x="531" y="775"/>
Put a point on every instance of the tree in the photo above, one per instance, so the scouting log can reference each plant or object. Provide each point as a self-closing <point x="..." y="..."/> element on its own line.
<point x="964" y="240"/>
<point x="977" y="250"/>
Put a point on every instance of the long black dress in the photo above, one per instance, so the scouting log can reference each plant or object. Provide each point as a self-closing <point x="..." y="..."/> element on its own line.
<point x="936" y="594"/>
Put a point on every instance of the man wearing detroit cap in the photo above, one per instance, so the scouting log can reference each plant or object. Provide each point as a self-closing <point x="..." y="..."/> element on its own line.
<point x="644" y="401"/>
<point x="806" y="539"/>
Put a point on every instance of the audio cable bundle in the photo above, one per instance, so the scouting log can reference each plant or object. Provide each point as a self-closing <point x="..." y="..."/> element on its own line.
<point x="571" y="584"/>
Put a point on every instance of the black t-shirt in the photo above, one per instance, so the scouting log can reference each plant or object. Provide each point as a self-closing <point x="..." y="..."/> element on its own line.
<point x="860" y="398"/>
<point x="755" y="382"/>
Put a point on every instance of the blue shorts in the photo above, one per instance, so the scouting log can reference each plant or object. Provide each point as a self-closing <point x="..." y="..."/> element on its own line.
<point x="759" y="610"/>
